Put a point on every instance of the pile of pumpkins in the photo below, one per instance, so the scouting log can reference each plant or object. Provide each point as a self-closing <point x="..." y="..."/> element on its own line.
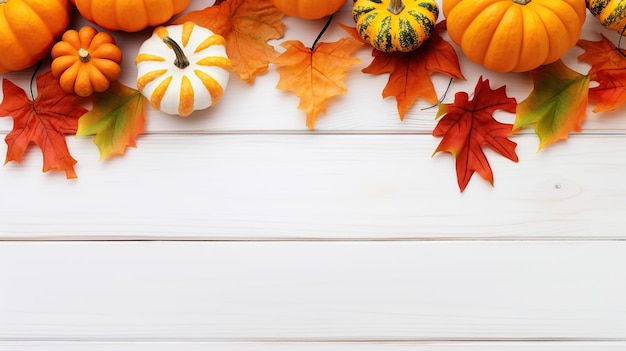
<point x="182" y="68"/>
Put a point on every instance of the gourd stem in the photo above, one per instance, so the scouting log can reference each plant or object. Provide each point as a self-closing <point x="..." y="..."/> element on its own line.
<point x="181" y="60"/>
<point x="395" y="6"/>
<point x="83" y="55"/>
<point x="522" y="2"/>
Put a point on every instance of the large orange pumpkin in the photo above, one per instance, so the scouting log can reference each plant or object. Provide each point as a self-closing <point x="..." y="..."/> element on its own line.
<point x="308" y="9"/>
<point x="28" y="29"/>
<point x="514" y="35"/>
<point x="129" y="15"/>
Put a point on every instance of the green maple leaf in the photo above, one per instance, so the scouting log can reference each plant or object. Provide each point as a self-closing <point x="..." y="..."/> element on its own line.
<point x="557" y="105"/>
<point x="117" y="117"/>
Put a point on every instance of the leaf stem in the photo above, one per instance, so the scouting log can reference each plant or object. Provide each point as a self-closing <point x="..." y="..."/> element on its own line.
<point x="32" y="79"/>
<point x="319" y="36"/>
<point x="619" y="42"/>
<point x="443" y="97"/>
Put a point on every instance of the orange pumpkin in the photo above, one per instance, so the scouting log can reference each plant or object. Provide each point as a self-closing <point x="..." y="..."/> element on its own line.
<point x="28" y="29"/>
<point x="129" y="15"/>
<point x="308" y="9"/>
<point x="86" y="61"/>
<point x="514" y="35"/>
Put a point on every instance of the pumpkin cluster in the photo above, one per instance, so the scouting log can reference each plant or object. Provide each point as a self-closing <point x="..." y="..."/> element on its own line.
<point x="183" y="68"/>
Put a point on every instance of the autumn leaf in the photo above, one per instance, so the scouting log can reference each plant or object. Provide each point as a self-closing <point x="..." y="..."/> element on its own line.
<point x="43" y="121"/>
<point x="247" y="26"/>
<point x="468" y="125"/>
<point x="557" y="104"/>
<point x="409" y="72"/>
<point x="601" y="55"/>
<point x="315" y="75"/>
<point x="116" y="118"/>
<point x="608" y="68"/>
<point x="610" y="91"/>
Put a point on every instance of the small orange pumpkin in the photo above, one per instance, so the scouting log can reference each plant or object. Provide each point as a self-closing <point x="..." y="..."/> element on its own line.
<point x="86" y="61"/>
<point x="308" y="9"/>
<point x="28" y="29"/>
<point x="514" y="35"/>
<point x="129" y="15"/>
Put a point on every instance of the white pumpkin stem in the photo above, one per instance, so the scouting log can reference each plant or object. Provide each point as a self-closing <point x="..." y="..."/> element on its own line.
<point x="522" y="2"/>
<point x="396" y="6"/>
<point x="83" y="54"/>
<point x="181" y="60"/>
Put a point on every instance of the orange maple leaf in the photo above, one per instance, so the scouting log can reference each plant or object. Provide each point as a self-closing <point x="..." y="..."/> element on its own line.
<point x="601" y="55"/>
<point x="316" y="75"/>
<point x="43" y="121"/>
<point x="608" y="68"/>
<point x="410" y="72"/>
<point x="468" y="125"/>
<point x="610" y="91"/>
<point x="246" y="25"/>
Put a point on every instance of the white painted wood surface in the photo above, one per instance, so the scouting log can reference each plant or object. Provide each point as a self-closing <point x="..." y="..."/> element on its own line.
<point x="239" y="229"/>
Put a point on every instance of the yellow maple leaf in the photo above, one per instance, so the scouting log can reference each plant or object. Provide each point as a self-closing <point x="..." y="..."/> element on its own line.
<point x="315" y="75"/>
<point x="246" y="25"/>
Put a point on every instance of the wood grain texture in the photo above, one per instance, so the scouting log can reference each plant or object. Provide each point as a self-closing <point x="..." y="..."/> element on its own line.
<point x="312" y="346"/>
<point x="270" y="187"/>
<point x="261" y="235"/>
<point x="312" y="291"/>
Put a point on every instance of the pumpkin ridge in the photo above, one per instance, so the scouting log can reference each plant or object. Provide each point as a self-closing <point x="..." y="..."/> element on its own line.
<point x="216" y="61"/>
<point x="214" y="39"/>
<point x="149" y="77"/>
<point x="186" y="97"/>
<point x="41" y="24"/>
<point x="186" y="32"/>
<point x="142" y="57"/>
<point x="212" y="86"/>
<point x="475" y="34"/>
<point x="159" y="91"/>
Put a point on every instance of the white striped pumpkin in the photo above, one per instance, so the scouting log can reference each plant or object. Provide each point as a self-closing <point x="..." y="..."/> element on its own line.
<point x="182" y="68"/>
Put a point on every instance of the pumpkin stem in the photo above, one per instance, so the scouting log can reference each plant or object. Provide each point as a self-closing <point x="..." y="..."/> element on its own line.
<point x="396" y="6"/>
<point x="83" y="55"/>
<point x="181" y="60"/>
<point x="522" y="2"/>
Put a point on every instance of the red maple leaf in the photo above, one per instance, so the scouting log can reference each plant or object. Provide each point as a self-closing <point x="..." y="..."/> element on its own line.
<point x="409" y="72"/>
<point x="43" y="121"/>
<point x="468" y="125"/>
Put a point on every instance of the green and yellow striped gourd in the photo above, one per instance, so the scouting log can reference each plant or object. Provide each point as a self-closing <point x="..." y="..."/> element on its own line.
<point x="395" y="25"/>
<point x="611" y="13"/>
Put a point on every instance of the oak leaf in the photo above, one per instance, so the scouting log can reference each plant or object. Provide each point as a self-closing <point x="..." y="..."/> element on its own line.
<point x="116" y="119"/>
<point x="557" y="104"/>
<point x="247" y="26"/>
<point x="468" y="125"/>
<point x="44" y="121"/>
<point x="315" y="75"/>
<point x="409" y="72"/>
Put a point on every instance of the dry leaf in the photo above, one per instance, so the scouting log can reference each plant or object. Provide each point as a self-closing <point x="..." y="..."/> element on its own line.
<point x="316" y="75"/>
<point x="247" y="26"/>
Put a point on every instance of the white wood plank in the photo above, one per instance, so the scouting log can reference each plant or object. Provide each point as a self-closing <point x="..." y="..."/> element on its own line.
<point x="316" y="187"/>
<point x="312" y="346"/>
<point x="261" y="107"/>
<point x="312" y="291"/>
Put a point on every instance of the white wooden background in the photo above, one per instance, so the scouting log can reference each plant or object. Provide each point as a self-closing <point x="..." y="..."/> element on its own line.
<point x="237" y="229"/>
